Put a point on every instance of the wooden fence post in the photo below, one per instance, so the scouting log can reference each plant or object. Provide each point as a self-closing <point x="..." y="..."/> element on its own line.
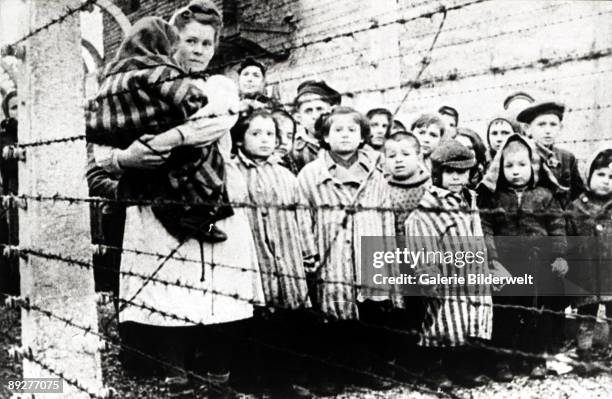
<point x="51" y="101"/>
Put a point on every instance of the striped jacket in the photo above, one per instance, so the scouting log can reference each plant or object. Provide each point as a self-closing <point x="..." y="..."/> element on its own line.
<point x="461" y="312"/>
<point x="276" y="232"/>
<point x="335" y="235"/>
<point x="140" y="95"/>
<point x="148" y="95"/>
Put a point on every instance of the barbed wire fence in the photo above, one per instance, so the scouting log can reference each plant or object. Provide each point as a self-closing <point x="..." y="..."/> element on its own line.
<point x="25" y="201"/>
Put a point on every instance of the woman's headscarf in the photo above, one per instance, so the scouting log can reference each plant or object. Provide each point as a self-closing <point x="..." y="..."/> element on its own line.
<point x="150" y="42"/>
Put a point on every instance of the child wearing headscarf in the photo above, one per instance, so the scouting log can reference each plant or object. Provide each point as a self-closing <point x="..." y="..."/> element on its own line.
<point x="144" y="93"/>
<point x="519" y="194"/>
<point x="590" y="215"/>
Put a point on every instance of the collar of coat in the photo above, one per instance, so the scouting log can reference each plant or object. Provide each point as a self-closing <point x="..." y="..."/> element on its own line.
<point x="363" y="159"/>
<point x="593" y="206"/>
<point x="439" y="198"/>
<point x="250" y="163"/>
<point x="418" y="178"/>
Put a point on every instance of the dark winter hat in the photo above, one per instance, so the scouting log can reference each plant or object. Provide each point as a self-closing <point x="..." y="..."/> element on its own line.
<point x="318" y="88"/>
<point x="452" y="154"/>
<point x="603" y="159"/>
<point x="540" y="108"/>
<point x="250" y="61"/>
<point x="450" y="111"/>
<point x="517" y="95"/>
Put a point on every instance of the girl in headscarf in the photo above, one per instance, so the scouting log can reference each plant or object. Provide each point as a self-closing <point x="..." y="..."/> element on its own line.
<point x="590" y="265"/>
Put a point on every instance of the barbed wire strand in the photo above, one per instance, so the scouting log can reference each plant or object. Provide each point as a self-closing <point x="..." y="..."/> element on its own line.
<point x="323" y="60"/>
<point x="20" y="201"/>
<point x="116" y="342"/>
<point x="80" y="137"/>
<point x="385" y="328"/>
<point x="252" y="301"/>
<point x="401" y="55"/>
<point x="317" y="359"/>
<point x="71" y="381"/>
<point x="57" y="20"/>
<point x="329" y="38"/>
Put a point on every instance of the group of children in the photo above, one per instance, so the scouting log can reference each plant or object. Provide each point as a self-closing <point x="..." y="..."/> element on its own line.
<point x="439" y="179"/>
<point x="321" y="177"/>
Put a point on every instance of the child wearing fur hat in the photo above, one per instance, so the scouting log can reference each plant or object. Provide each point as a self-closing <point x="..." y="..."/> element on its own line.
<point x="429" y="129"/>
<point x="518" y="194"/>
<point x="314" y="98"/>
<point x="474" y="143"/>
<point x="590" y="267"/>
<point x="544" y="120"/>
<point x="454" y="316"/>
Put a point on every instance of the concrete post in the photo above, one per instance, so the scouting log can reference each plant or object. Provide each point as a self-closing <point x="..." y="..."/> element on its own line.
<point x="51" y="101"/>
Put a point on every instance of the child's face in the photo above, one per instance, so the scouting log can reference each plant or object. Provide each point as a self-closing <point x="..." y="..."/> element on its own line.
<point x="251" y="80"/>
<point x="429" y="137"/>
<point x="13" y="108"/>
<point x="601" y="182"/>
<point x="260" y="138"/>
<point x="401" y="158"/>
<point x="379" y="124"/>
<point x="285" y="127"/>
<point x="454" y="180"/>
<point x="309" y="111"/>
<point x="344" y="134"/>
<point x="196" y="46"/>
<point x="545" y="128"/>
<point x="451" y="125"/>
<point x="498" y="132"/>
<point x="517" y="167"/>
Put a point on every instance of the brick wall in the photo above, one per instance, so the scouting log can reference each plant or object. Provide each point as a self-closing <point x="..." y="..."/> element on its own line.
<point x="475" y="41"/>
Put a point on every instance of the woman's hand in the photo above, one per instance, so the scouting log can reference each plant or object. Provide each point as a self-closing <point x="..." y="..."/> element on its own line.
<point x="141" y="156"/>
